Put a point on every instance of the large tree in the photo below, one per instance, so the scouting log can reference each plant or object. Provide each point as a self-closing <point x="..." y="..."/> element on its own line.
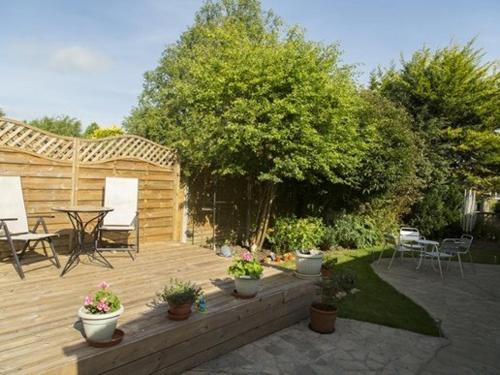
<point x="61" y="125"/>
<point x="454" y="98"/>
<point x="239" y="95"/>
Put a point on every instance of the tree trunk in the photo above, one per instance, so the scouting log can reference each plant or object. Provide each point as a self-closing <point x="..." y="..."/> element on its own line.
<point x="264" y="214"/>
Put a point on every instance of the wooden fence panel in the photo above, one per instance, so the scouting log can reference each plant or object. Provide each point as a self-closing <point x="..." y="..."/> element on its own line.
<point x="60" y="171"/>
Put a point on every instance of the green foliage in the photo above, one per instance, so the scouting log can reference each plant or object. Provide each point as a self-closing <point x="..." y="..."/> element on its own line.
<point x="451" y="84"/>
<point x="331" y="290"/>
<point x="328" y="239"/>
<point x="246" y="266"/>
<point x="291" y="233"/>
<point x="103" y="302"/>
<point x="488" y="227"/>
<point x="437" y="214"/>
<point x="61" y="125"/>
<point x="454" y="99"/>
<point x="2" y="113"/>
<point x="389" y="164"/>
<point x="355" y="231"/>
<point x="180" y="293"/>
<point x="113" y="131"/>
<point x="329" y="261"/>
<point x="90" y="129"/>
<point x="240" y="95"/>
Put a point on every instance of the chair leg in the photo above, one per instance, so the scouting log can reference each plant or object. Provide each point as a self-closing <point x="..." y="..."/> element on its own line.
<point x="17" y="263"/>
<point x="54" y="253"/>
<point x="460" y="264"/>
<point x="380" y="256"/>
<point x="440" y="268"/>
<point x="392" y="259"/>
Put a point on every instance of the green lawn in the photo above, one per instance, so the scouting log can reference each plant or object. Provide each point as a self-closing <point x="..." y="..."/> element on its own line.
<point x="378" y="302"/>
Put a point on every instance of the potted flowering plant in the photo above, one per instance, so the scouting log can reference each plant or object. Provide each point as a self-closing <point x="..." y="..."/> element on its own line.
<point x="247" y="272"/>
<point x="100" y="313"/>
<point x="180" y="296"/>
<point x="331" y="290"/>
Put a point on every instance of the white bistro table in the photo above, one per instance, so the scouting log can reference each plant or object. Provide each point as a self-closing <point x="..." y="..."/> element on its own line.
<point x="431" y="250"/>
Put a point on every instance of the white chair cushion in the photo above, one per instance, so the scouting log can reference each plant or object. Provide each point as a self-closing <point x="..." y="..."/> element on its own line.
<point x="30" y="236"/>
<point x="12" y="204"/>
<point x="118" y="227"/>
<point x="121" y="195"/>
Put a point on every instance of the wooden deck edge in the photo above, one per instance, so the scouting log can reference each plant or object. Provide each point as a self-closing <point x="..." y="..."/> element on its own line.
<point x="205" y="337"/>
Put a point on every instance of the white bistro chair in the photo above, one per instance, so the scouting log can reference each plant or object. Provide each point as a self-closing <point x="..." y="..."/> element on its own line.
<point x="398" y="248"/>
<point x="120" y="194"/>
<point x="14" y="224"/>
<point x="449" y="249"/>
<point x="408" y="237"/>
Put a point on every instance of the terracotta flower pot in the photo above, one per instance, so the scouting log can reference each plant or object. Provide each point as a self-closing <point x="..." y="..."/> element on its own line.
<point x="179" y="312"/>
<point x="327" y="273"/>
<point x="322" y="318"/>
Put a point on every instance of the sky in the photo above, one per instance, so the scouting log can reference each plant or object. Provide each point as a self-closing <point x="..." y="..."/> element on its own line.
<point x="86" y="59"/>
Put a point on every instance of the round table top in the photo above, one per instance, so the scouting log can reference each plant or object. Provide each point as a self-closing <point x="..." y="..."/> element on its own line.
<point x="83" y="209"/>
<point x="427" y="242"/>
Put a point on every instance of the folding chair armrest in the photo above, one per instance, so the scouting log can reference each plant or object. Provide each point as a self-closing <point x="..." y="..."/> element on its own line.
<point x="40" y="221"/>
<point x="41" y="216"/>
<point x="8" y="218"/>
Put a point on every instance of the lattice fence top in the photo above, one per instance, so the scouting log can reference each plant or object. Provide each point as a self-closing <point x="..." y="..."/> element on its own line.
<point x="16" y="135"/>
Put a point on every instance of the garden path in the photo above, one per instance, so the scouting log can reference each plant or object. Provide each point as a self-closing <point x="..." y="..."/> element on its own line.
<point x="468" y="308"/>
<point x="356" y="347"/>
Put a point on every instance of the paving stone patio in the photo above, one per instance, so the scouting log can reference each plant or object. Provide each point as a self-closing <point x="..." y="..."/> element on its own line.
<point x="469" y="310"/>
<point x="356" y="347"/>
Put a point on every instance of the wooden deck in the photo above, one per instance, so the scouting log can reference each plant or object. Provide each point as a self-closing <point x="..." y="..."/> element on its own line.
<point x="40" y="333"/>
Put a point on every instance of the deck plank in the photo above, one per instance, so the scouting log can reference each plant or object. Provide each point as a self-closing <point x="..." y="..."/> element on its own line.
<point x="38" y="334"/>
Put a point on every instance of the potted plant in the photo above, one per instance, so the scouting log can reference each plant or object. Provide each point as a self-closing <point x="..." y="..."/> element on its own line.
<point x="99" y="314"/>
<point x="246" y="272"/>
<point x="323" y="313"/>
<point x="308" y="260"/>
<point x="180" y="296"/>
<point x="302" y="236"/>
<point x="328" y="266"/>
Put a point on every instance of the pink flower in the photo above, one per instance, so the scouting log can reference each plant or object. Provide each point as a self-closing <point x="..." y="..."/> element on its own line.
<point x="87" y="301"/>
<point x="247" y="256"/>
<point x="103" y="285"/>
<point x="102" y="306"/>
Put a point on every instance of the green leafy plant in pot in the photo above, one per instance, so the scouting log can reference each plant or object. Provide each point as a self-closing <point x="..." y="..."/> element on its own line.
<point x="247" y="272"/>
<point x="323" y="312"/>
<point x="328" y="266"/>
<point x="180" y="296"/>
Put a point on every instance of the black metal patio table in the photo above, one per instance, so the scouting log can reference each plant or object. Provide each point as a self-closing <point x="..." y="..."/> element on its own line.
<point x="80" y="225"/>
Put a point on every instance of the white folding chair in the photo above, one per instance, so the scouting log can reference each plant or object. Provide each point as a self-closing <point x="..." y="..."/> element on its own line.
<point x="121" y="194"/>
<point x="14" y="224"/>
<point x="408" y="237"/>
<point x="398" y="248"/>
<point x="458" y="247"/>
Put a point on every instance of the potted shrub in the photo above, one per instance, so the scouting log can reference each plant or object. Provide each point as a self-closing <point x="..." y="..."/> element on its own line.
<point x="302" y="236"/>
<point x="99" y="314"/>
<point x="323" y="313"/>
<point x="246" y="272"/>
<point x="180" y="296"/>
<point x="328" y="266"/>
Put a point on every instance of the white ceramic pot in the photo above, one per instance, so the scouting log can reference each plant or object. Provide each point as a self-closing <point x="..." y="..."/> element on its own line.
<point x="309" y="264"/>
<point x="246" y="286"/>
<point x="99" y="327"/>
